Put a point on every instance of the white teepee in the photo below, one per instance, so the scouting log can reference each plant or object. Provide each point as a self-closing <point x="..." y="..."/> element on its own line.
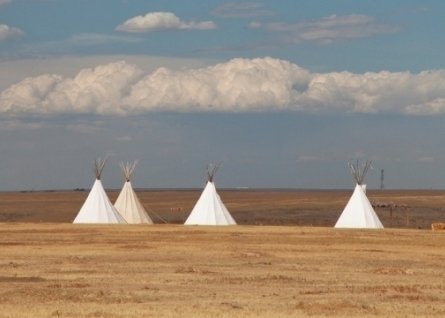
<point x="209" y="209"/>
<point x="127" y="203"/>
<point x="359" y="212"/>
<point x="98" y="207"/>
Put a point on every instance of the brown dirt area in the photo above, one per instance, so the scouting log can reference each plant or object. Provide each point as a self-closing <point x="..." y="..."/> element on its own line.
<point x="299" y="267"/>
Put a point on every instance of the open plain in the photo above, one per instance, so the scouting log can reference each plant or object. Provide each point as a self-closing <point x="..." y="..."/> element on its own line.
<point x="285" y="260"/>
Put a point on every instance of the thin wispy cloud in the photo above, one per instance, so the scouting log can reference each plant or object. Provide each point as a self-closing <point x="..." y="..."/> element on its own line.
<point x="86" y="128"/>
<point x="242" y="10"/>
<point x="162" y="21"/>
<point x="426" y="159"/>
<point x="328" y="29"/>
<point x="12" y="124"/>
<point x="88" y="39"/>
<point x="3" y="2"/>
<point x="79" y="41"/>
<point x="414" y="9"/>
<point x="310" y="158"/>
<point x="239" y="85"/>
<point x="8" y="32"/>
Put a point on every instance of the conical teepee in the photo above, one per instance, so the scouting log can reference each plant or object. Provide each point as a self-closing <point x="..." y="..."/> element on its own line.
<point x="359" y="212"/>
<point x="127" y="203"/>
<point x="98" y="207"/>
<point x="209" y="209"/>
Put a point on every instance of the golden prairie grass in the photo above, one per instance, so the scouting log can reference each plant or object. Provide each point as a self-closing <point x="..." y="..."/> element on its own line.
<point x="65" y="270"/>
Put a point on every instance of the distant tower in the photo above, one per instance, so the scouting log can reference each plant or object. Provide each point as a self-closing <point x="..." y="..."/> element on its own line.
<point x="382" y="178"/>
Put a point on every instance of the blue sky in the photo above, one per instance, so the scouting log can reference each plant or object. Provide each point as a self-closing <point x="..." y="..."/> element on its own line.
<point x="283" y="93"/>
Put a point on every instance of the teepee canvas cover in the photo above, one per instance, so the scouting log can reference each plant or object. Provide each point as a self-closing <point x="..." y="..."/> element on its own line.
<point x="127" y="203"/>
<point x="97" y="207"/>
<point x="359" y="212"/>
<point x="209" y="209"/>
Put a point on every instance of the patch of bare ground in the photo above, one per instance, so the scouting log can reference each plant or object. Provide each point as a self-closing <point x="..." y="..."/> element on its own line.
<point x="65" y="270"/>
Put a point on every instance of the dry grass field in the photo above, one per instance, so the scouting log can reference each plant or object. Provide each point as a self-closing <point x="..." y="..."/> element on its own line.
<point x="50" y="268"/>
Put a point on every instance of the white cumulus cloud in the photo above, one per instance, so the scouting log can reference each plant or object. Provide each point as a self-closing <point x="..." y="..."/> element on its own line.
<point x="238" y="85"/>
<point x="162" y="21"/>
<point x="8" y="32"/>
<point x="93" y="90"/>
<point x="26" y="95"/>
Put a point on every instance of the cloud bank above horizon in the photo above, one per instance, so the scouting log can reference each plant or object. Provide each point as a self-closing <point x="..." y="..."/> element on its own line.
<point x="238" y="85"/>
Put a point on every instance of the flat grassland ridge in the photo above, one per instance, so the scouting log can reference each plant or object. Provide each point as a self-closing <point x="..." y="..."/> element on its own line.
<point x="397" y="209"/>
